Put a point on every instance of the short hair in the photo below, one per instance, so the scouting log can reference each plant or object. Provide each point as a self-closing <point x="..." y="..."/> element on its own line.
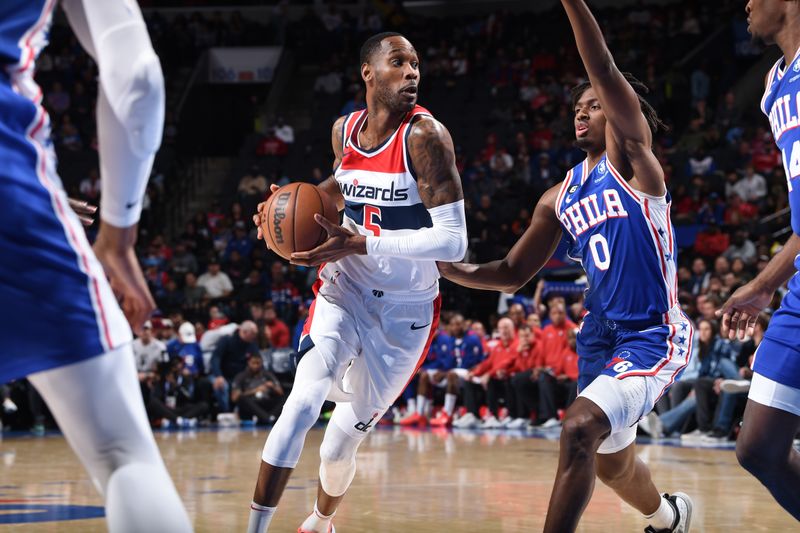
<point x="640" y="88"/>
<point x="373" y="44"/>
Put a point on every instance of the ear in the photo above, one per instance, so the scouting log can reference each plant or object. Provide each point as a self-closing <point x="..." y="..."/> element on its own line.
<point x="366" y="72"/>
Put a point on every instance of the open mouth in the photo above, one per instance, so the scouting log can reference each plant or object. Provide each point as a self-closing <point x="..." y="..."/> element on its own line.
<point x="581" y="128"/>
<point x="410" y="90"/>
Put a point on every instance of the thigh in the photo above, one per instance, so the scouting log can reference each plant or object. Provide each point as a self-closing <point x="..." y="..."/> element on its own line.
<point x="768" y="429"/>
<point x="98" y="406"/>
<point x="58" y="307"/>
<point x="624" y="403"/>
<point x="773" y="394"/>
<point x="391" y="352"/>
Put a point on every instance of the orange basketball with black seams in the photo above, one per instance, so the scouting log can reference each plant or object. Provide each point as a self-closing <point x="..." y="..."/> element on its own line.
<point x="288" y="223"/>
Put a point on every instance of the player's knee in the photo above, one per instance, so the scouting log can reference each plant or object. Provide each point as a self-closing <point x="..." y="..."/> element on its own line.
<point x="304" y="405"/>
<point x="754" y="458"/>
<point x="614" y="473"/>
<point x="337" y="464"/>
<point x="581" y="433"/>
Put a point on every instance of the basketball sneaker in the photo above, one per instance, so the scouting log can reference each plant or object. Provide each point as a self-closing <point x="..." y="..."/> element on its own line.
<point x="517" y="423"/>
<point x="331" y="529"/>
<point x="414" y="419"/>
<point x="442" y="420"/>
<point x="735" y="385"/>
<point x="651" y="424"/>
<point x="9" y="406"/>
<point x="682" y="504"/>
<point x="467" y="421"/>
<point x="491" y="422"/>
<point x="550" y="423"/>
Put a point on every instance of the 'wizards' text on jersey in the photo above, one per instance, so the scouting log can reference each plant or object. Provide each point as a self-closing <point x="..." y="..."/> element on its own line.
<point x="625" y="241"/>
<point x="781" y="103"/>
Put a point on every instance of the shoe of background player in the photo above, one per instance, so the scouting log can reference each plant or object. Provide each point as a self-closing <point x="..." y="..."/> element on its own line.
<point x="651" y="424"/>
<point x="442" y="420"/>
<point x="491" y="423"/>
<point x="550" y="423"/>
<point x="9" y="406"/>
<point x="732" y="386"/>
<point x="517" y="423"/>
<point x="695" y="435"/>
<point x="715" y="437"/>
<point x="468" y="421"/>
<point x="414" y="420"/>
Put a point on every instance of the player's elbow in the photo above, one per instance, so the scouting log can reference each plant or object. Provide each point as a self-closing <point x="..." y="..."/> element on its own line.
<point x="135" y="91"/>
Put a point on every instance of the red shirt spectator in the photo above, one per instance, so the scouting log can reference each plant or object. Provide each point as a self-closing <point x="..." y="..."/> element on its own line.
<point x="276" y="329"/>
<point x="502" y="354"/>
<point x="711" y="242"/>
<point x="526" y="350"/>
<point x="271" y="145"/>
<point x="553" y="340"/>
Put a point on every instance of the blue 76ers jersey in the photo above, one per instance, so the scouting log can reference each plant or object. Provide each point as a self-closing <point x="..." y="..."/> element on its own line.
<point x="781" y="104"/>
<point x="625" y="241"/>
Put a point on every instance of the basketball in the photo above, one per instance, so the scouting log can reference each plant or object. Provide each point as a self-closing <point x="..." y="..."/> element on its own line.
<point x="288" y="221"/>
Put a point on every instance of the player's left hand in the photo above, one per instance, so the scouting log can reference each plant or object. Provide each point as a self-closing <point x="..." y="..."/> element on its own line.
<point x="340" y="243"/>
<point x="84" y="210"/>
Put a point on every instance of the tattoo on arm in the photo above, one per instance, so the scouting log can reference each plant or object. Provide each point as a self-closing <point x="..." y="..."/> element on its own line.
<point x="329" y="185"/>
<point x="434" y="161"/>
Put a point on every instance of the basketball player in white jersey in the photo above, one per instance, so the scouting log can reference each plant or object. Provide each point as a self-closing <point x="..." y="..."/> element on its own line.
<point x="377" y="302"/>
<point x="50" y="278"/>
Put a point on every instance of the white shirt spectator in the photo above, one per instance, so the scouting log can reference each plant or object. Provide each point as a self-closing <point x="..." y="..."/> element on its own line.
<point x="147" y="355"/>
<point x="216" y="283"/>
<point x="284" y="132"/>
<point x="746" y="251"/>
<point x="752" y="187"/>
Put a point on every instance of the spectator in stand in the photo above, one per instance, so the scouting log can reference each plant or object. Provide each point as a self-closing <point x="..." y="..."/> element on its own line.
<point x="711" y="242"/>
<point x="253" y="184"/>
<point x="477" y="328"/>
<point x="284" y="131"/>
<point x="216" y="283"/>
<point x="257" y="392"/>
<point x="58" y="100"/>
<point x="90" y="187"/>
<point x="276" y="329"/>
<point x="194" y="296"/>
<point x="741" y="247"/>
<point x="558" y="384"/>
<point x="240" y="242"/>
<point x="172" y="398"/>
<point x="501" y="163"/>
<point x="187" y="348"/>
<point x="183" y="261"/>
<point x="253" y="289"/>
<point x="329" y="82"/>
<point x="283" y="293"/>
<point x="230" y="358"/>
<point x="752" y="188"/>
<point x="148" y="353"/>
<point x="519" y="397"/>
<point x="700" y="276"/>
<point x="490" y="377"/>
<point x="517" y="315"/>
<point x="739" y="211"/>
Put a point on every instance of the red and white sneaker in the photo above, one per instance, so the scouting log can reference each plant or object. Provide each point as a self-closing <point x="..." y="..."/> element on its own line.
<point x="442" y="420"/>
<point x="414" y="419"/>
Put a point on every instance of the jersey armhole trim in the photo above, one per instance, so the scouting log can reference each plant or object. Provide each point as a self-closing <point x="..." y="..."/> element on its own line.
<point x="562" y="191"/>
<point x="636" y="195"/>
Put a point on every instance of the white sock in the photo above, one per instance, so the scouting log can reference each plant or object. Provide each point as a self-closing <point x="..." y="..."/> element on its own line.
<point x="317" y="521"/>
<point x="663" y="517"/>
<point x="411" y="406"/>
<point x="421" y="400"/>
<point x="260" y="517"/>
<point x="450" y="403"/>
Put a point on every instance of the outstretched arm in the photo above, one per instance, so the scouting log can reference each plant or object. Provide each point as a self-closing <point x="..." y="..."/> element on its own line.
<point x="525" y="259"/>
<point x="630" y="144"/>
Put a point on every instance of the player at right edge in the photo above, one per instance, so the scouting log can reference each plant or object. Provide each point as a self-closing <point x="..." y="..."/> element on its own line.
<point x="772" y="415"/>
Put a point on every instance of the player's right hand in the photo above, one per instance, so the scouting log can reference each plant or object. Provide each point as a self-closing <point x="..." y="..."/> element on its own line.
<point x="260" y="214"/>
<point x="740" y="312"/>
<point x="114" y="250"/>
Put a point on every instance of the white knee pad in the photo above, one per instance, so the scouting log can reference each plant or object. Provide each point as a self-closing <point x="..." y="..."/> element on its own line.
<point x="311" y="386"/>
<point x="338" y="460"/>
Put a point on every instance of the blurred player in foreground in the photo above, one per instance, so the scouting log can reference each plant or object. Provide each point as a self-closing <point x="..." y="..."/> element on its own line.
<point x="51" y="280"/>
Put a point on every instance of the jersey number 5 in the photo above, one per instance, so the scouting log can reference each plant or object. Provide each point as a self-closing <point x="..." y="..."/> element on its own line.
<point x="372" y="219"/>
<point x="600" y="254"/>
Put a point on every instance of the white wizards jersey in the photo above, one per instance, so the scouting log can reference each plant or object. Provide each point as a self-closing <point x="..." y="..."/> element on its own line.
<point x="382" y="200"/>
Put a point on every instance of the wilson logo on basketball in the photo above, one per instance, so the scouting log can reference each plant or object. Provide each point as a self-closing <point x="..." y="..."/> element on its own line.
<point x="279" y="215"/>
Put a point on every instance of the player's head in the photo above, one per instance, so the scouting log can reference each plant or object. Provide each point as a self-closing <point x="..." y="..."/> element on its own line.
<point x="590" y="120"/>
<point x="390" y="70"/>
<point x="456" y="325"/>
<point x="766" y="18"/>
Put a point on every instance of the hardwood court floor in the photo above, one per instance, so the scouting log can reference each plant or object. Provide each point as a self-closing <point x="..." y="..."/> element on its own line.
<point x="413" y="481"/>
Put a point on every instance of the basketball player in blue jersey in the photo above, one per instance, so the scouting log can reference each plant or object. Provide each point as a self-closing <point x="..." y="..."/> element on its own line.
<point x="377" y="304"/>
<point x="772" y="415"/>
<point x="635" y="341"/>
<point x="60" y="323"/>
